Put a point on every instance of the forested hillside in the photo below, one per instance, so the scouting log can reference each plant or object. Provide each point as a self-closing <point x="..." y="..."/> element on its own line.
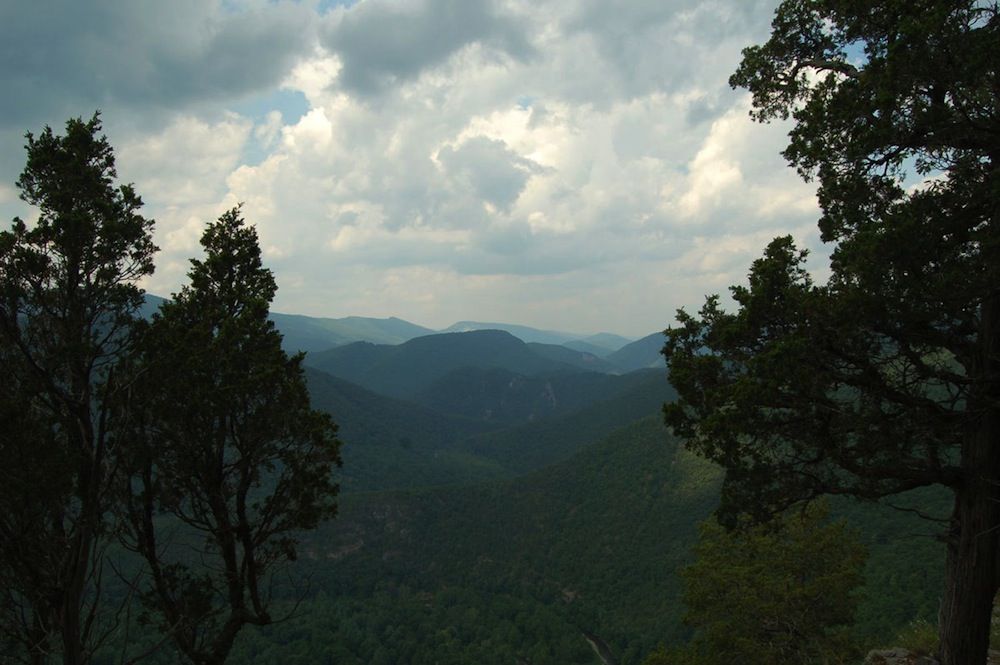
<point x="404" y="370"/>
<point x="503" y="540"/>
<point x="474" y="424"/>
<point x="520" y="569"/>
<point x="640" y="354"/>
<point x="504" y="537"/>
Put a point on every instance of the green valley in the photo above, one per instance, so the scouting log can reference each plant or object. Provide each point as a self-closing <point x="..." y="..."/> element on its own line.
<point x="518" y="570"/>
<point x="501" y="506"/>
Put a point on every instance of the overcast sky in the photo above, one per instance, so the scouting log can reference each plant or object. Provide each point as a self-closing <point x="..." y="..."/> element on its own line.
<point x="574" y="165"/>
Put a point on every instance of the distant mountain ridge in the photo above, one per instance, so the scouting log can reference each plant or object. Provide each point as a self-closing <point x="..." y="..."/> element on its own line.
<point x="404" y="370"/>
<point x="608" y="341"/>
<point x="641" y="354"/>
<point x="307" y="333"/>
<point x="565" y="354"/>
<point x="311" y="333"/>
<point x="523" y="333"/>
<point x="599" y="344"/>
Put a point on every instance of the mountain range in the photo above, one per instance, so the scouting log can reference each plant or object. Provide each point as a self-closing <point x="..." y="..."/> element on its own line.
<point x="509" y="495"/>
<point x="310" y="333"/>
<point x="601" y="352"/>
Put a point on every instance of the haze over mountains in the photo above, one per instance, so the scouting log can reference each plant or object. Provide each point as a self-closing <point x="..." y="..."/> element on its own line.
<point x="601" y="352"/>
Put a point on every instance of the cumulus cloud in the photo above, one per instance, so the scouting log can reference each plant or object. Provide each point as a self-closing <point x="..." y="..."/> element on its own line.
<point x="144" y="56"/>
<point x="382" y="43"/>
<point x="489" y="169"/>
<point x="556" y="164"/>
<point x="187" y="162"/>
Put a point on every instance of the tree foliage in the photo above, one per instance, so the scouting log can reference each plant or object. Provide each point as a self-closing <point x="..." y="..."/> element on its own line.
<point x="230" y="449"/>
<point x="887" y="377"/>
<point x="780" y="593"/>
<point x="775" y="593"/>
<point x="68" y="299"/>
<point x="192" y="430"/>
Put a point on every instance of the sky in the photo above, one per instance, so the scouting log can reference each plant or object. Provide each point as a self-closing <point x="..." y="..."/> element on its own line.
<point x="571" y="165"/>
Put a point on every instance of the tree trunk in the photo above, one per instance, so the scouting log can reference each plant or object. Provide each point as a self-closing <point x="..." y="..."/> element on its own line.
<point x="972" y="576"/>
<point x="38" y="646"/>
<point x="72" y="625"/>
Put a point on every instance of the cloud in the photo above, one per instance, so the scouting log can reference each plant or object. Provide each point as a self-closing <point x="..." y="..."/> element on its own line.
<point x="496" y="171"/>
<point x="187" y="162"/>
<point x="489" y="169"/>
<point x="647" y="47"/>
<point x="381" y="43"/>
<point x="551" y="163"/>
<point x="64" y="58"/>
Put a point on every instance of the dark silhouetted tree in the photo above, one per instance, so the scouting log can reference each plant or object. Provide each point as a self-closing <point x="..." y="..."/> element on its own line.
<point x="887" y="377"/>
<point x="230" y="450"/>
<point x="68" y="300"/>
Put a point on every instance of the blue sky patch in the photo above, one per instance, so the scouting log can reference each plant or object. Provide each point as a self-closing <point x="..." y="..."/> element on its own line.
<point x="292" y="104"/>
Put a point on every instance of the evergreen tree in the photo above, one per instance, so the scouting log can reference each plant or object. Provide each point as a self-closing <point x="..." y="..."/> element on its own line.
<point x="886" y="378"/>
<point x="229" y="448"/>
<point x="68" y="299"/>
<point x="774" y="593"/>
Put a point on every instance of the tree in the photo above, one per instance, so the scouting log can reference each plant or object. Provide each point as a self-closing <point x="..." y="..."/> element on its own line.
<point x="774" y="593"/>
<point x="229" y="448"/>
<point x="68" y="299"/>
<point x="887" y="377"/>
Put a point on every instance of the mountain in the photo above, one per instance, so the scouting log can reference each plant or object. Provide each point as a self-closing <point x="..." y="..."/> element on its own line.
<point x="608" y="341"/>
<point x="580" y="359"/>
<point x="521" y="568"/>
<point x="580" y="534"/>
<point x="524" y="333"/>
<point x="515" y="507"/>
<point x="392" y="444"/>
<point x="503" y="398"/>
<point x="303" y="333"/>
<point x="406" y="369"/>
<point x="529" y="446"/>
<point x="600" y="345"/>
<point x="150" y="305"/>
<point x="587" y="347"/>
<point x="307" y="333"/>
<point x="525" y="569"/>
<point x="446" y="438"/>
<point x="640" y="354"/>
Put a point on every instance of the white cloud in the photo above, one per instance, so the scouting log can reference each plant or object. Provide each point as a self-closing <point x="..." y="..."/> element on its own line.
<point x="187" y="162"/>
<point x="557" y="164"/>
<point x="714" y="171"/>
